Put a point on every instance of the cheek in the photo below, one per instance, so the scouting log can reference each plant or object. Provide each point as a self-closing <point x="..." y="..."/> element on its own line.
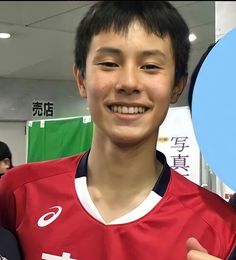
<point x="99" y="84"/>
<point x="161" y="91"/>
<point x="97" y="90"/>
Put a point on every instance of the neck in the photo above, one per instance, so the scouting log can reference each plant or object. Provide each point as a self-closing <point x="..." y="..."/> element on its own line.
<point x="120" y="177"/>
<point x="123" y="168"/>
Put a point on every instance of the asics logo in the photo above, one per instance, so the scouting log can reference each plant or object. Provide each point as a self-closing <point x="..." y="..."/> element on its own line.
<point x="49" y="217"/>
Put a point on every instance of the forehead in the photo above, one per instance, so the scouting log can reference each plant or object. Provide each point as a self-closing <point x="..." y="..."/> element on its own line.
<point x="136" y="38"/>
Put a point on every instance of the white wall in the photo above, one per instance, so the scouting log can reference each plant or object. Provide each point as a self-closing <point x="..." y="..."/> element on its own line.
<point x="225" y="17"/>
<point x="16" y="96"/>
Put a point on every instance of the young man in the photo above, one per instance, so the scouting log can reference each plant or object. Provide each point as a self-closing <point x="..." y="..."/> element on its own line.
<point x="8" y="244"/>
<point x="5" y="158"/>
<point x="120" y="200"/>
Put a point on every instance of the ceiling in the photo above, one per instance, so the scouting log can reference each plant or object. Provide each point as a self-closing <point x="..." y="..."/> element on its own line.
<point x="42" y="42"/>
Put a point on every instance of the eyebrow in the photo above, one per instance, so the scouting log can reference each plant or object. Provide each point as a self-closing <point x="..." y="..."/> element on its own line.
<point x="145" y="53"/>
<point x="111" y="50"/>
<point x="148" y="53"/>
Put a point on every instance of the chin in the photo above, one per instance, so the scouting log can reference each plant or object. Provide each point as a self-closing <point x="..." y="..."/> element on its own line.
<point x="129" y="140"/>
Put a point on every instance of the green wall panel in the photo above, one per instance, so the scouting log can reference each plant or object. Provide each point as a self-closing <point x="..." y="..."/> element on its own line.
<point x="51" y="139"/>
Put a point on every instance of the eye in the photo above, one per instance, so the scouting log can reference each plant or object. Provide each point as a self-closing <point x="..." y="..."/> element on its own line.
<point x="150" y="67"/>
<point x="108" y="64"/>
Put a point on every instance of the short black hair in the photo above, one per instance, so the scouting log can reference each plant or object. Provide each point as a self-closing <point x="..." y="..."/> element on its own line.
<point x="195" y="74"/>
<point x="158" y="17"/>
<point x="5" y="153"/>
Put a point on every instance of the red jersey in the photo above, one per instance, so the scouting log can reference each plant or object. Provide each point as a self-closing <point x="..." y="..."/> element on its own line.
<point x="48" y="206"/>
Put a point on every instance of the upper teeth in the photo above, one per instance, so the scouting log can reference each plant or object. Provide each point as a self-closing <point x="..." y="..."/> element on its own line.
<point x="127" y="110"/>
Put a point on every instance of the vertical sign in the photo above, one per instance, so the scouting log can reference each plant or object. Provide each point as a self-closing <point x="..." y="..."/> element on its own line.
<point x="177" y="141"/>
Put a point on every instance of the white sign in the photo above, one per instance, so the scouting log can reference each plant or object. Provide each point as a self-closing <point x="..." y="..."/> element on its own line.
<point x="177" y="141"/>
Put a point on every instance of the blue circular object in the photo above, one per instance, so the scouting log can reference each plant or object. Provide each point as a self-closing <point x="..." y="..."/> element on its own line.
<point x="214" y="109"/>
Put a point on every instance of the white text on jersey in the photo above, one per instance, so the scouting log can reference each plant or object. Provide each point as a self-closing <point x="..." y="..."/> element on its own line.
<point x="65" y="256"/>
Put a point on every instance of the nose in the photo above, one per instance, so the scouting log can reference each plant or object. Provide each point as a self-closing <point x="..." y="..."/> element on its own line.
<point x="128" y="82"/>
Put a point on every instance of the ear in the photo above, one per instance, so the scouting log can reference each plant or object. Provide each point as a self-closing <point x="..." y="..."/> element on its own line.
<point x="178" y="89"/>
<point x="80" y="81"/>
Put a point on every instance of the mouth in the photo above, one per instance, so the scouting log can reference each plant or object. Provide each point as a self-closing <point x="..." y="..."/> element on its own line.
<point x="131" y="110"/>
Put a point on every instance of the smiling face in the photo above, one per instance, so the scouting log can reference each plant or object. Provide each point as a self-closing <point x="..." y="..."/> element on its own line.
<point x="129" y="83"/>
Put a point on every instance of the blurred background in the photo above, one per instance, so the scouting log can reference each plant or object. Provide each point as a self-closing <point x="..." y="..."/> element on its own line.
<point x="42" y="43"/>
